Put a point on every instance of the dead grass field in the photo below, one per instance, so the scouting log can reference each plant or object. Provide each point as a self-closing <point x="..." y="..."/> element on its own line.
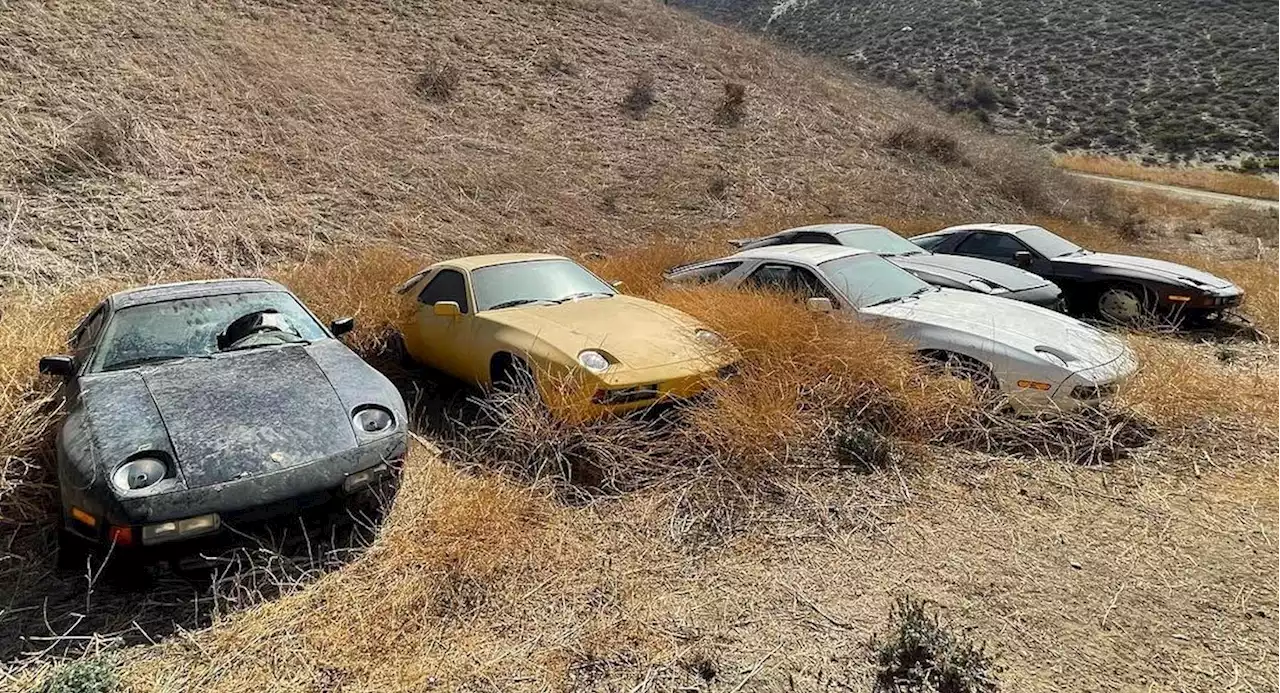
<point x="339" y="148"/>
<point x="1184" y="177"/>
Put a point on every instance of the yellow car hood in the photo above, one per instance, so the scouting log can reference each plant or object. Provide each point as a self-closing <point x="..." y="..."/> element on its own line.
<point x="635" y="332"/>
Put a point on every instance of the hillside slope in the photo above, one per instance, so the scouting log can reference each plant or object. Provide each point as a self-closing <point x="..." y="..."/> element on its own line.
<point x="1175" y="78"/>
<point x="153" y="135"/>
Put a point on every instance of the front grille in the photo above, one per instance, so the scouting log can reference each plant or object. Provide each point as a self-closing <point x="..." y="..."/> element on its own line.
<point x="638" y="393"/>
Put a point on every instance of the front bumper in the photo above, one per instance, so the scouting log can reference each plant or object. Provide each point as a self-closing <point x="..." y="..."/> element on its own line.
<point x="1091" y="387"/>
<point x="628" y="390"/>
<point x="1206" y="302"/>
<point x="284" y="492"/>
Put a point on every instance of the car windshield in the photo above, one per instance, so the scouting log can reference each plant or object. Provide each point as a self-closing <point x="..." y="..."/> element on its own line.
<point x="870" y="280"/>
<point x="878" y="240"/>
<point x="534" y="281"/>
<point x="1048" y="243"/>
<point x="189" y="327"/>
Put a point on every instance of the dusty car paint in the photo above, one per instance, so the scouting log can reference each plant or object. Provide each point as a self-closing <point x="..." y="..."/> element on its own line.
<point x="239" y="431"/>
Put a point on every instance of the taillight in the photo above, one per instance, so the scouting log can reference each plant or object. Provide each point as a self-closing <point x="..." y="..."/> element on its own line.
<point x="121" y="536"/>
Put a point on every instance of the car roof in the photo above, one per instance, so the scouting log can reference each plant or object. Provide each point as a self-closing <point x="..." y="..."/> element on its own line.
<point x="157" y="293"/>
<point x="473" y="262"/>
<point x="807" y="253"/>
<point x="832" y="228"/>
<point x="998" y="228"/>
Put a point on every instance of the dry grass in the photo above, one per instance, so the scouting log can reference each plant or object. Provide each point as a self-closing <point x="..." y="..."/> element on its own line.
<point x="1185" y="177"/>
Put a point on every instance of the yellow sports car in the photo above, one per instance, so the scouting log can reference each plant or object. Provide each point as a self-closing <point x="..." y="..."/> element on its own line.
<point x="544" y="319"/>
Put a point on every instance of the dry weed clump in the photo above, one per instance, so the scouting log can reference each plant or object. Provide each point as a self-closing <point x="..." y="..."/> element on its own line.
<point x="438" y="81"/>
<point x="1186" y="177"/>
<point x="916" y="140"/>
<point x="733" y="107"/>
<point x="641" y="94"/>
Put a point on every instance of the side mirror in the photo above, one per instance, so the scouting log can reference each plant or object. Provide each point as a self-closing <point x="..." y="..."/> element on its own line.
<point x="819" y="305"/>
<point x="61" y="365"/>
<point x="342" y="326"/>
<point x="446" y="309"/>
<point x="617" y="285"/>
<point x="1022" y="259"/>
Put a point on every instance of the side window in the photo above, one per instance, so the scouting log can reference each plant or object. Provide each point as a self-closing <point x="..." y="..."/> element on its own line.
<point x="789" y="280"/>
<point x="707" y="273"/>
<point x="87" y="333"/>
<point x="812" y="237"/>
<point x="447" y="285"/>
<point x="929" y="242"/>
<point x="995" y="246"/>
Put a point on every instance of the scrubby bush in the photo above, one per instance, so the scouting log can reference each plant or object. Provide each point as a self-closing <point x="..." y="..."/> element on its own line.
<point x="733" y="107"/>
<point x="438" y="81"/>
<point x="640" y="95"/>
<point x="92" y="675"/>
<point x="922" y="654"/>
<point x="942" y="147"/>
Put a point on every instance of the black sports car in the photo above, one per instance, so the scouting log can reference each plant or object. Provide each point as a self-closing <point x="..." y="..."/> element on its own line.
<point x="968" y="274"/>
<point x="197" y="405"/>
<point x="1120" y="288"/>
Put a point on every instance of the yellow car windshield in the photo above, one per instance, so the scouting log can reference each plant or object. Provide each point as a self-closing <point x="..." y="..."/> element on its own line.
<point x="534" y="281"/>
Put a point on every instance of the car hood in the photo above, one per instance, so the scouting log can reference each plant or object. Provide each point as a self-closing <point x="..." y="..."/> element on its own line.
<point x="1013" y="324"/>
<point x="225" y="417"/>
<point x="636" y="332"/>
<point x="961" y="269"/>
<point x="1158" y="269"/>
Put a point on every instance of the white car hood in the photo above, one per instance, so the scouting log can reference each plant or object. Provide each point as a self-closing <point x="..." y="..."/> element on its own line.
<point x="1014" y="324"/>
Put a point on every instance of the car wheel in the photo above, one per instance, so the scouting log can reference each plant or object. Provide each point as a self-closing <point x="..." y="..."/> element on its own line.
<point x="964" y="368"/>
<point x="512" y="374"/>
<point x="1123" y="304"/>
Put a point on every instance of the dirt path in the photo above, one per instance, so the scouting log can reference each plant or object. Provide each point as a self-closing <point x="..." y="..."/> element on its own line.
<point x="1185" y="193"/>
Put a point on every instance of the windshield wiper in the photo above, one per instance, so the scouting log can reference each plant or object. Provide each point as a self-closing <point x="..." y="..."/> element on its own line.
<point x="259" y="345"/>
<point x="519" y="302"/>
<point x="145" y="360"/>
<point x="891" y="299"/>
<point x="583" y="294"/>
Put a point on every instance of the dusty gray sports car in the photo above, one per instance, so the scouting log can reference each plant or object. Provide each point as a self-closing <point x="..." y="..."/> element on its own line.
<point x="952" y="272"/>
<point x="196" y="405"/>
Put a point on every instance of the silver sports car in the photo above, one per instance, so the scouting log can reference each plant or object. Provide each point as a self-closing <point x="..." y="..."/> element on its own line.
<point x="1036" y="357"/>
<point x="951" y="271"/>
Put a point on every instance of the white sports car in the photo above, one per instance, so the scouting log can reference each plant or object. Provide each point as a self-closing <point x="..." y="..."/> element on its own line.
<point x="1038" y="358"/>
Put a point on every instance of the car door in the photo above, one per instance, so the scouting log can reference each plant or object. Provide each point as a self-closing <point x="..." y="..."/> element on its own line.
<point x="441" y="341"/>
<point x="791" y="280"/>
<point x="1001" y="247"/>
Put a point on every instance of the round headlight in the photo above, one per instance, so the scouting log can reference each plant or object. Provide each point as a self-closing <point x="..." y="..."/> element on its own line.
<point x="979" y="285"/>
<point x="1051" y="358"/>
<point x="709" y="337"/>
<point x="593" y="361"/>
<point x="373" y="420"/>
<point x="138" y="474"/>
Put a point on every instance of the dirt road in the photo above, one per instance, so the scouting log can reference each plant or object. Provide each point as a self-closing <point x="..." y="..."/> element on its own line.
<point x="1185" y="193"/>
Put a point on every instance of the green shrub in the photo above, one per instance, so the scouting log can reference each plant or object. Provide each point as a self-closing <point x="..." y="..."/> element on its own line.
<point x="92" y="675"/>
<point x="921" y="654"/>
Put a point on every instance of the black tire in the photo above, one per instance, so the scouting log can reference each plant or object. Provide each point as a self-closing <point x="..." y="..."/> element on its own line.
<point x="73" y="552"/>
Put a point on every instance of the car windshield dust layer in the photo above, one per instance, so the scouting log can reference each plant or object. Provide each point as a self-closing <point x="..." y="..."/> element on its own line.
<point x="868" y="280"/>
<point x="878" y="240"/>
<point x="535" y="281"/>
<point x="190" y="327"/>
